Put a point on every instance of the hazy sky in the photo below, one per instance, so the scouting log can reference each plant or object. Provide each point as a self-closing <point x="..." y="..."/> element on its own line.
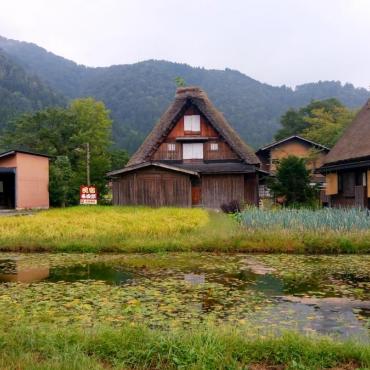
<point x="275" y="41"/>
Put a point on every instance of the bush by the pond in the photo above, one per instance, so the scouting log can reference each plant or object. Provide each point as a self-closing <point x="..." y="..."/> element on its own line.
<point x="137" y="347"/>
<point x="306" y="219"/>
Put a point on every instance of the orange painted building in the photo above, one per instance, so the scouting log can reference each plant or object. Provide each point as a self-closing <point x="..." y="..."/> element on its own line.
<point x="271" y="155"/>
<point x="24" y="180"/>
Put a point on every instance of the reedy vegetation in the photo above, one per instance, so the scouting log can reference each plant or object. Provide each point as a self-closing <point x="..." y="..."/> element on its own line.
<point x="141" y="229"/>
<point x="138" y="347"/>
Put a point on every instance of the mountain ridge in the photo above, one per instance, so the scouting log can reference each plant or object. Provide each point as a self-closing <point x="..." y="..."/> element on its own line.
<point x="137" y="94"/>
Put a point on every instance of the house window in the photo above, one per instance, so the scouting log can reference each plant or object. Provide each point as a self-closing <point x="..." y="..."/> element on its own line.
<point x="192" y="123"/>
<point x="214" y="147"/>
<point x="193" y="151"/>
<point x="171" y="147"/>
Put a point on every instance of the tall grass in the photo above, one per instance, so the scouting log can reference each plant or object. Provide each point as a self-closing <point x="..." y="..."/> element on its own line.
<point x="137" y="347"/>
<point x="342" y="220"/>
<point x="98" y="228"/>
<point x="141" y="229"/>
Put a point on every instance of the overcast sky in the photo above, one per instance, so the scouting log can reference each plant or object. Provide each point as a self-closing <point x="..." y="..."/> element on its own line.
<point x="274" y="41"/>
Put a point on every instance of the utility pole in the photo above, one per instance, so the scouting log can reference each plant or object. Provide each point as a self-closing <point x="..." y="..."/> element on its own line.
<point x="88" y="164"/>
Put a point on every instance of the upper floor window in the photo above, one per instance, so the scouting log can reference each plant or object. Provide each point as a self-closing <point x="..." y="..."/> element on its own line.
<point x="171" y="147"/>
<point x="214" y="147"/>
<point x="193" y="151"/>
<point x="192" y="123"/>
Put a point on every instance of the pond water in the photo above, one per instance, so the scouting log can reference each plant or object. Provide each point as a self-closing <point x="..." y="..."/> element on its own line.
<point x="267" y="293"/>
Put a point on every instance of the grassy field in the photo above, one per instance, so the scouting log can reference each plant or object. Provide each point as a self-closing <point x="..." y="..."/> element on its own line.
<point x="137" y="347"/>
<point x="140" y="229"/>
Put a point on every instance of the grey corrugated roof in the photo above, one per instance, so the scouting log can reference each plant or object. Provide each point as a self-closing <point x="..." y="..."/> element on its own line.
<point x="218" y="168"/>
<point x="13" y="152"/>
<point x="155" y="164"/>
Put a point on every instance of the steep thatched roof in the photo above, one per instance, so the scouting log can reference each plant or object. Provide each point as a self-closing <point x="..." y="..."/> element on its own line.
<point x="184" y="98"/>
<point x="355" y="142"/>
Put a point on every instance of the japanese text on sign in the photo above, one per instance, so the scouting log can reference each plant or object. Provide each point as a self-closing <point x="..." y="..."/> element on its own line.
<point x="88" y="194"/>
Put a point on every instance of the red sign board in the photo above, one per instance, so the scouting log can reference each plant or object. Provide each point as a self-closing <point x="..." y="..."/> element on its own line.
<point x="88" y="194"/>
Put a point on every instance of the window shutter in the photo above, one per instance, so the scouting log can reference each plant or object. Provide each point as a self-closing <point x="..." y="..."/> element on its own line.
<point x="197" y="151"/>
<point x="188" y="123"/>
<point x="368" y="183"/>
<point x="187" y="151"/>
<point x="196" y="124"/>
<point x="193" y="151"/>
<point x="192" y="123"/>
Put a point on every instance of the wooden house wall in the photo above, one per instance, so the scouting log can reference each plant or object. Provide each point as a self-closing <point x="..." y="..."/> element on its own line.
<point x="219" y="189"/>
<point x="224" y="151"/>
<point x="251" y="189"/>
<point x="348" y="188"/>
<point x="206" y="130"/>
<point x="152" y="187"/>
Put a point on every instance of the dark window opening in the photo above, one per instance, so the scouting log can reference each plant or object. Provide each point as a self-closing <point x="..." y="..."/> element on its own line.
<point x="7" y="190"/>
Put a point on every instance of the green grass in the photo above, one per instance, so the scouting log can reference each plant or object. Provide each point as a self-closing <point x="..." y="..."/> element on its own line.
<point x="137" y="347"/>
<point x="140" y="229"/>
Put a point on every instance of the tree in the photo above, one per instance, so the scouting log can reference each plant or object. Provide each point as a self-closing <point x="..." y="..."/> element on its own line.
<point x="292" y="182"/>
<point x="297" y="122"/>
<point x="61" y="175"/>
<point x="180" y="82"/>
<point x="64" y="133"/>
<point x="326" y="127"/>
<point x="119" y="158"/>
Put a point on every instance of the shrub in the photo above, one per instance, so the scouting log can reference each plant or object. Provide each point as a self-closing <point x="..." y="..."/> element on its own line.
<point x="231" y="207"/>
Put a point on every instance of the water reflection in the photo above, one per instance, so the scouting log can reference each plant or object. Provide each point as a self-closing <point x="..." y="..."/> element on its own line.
<point x="283" y="307"/>
<point x="94" y="271"/>
<point x="11" y="270"/>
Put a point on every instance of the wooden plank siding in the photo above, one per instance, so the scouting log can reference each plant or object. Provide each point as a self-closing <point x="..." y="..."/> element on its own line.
<point x="205" y="128"/>
<point x="224" y="151"/>
<point x="251" y="189"/>
<point x="162" y="153"/>
<point x="152" y="187"/>
<point x="219" y="189"/>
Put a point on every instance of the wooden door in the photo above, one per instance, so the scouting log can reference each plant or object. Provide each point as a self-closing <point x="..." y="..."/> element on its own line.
<point x="196" y="195"/>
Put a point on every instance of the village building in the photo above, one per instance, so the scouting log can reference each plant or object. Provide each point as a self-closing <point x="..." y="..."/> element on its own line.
<point x="295" y="145"/>
<point x="192" y="157"/>
<point x="347" y="166"/>
<point x="24" y="180"/>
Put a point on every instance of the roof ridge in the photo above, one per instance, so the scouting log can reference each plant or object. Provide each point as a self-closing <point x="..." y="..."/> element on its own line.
<point x="199" y="98"/>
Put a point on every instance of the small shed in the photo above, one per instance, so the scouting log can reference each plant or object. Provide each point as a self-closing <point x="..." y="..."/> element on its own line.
<point x="24" y="180"/>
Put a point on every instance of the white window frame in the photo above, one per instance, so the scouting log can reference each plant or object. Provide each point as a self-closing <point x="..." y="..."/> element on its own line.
<point x="192" y="123"/>
<point x="213" y="147"/>
<point x="171" y="147"/>
<point x="192" y="151"/>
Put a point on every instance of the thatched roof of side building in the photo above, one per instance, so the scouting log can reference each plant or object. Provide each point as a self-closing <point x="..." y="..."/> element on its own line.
<point x="185" y="97"/>
<point x="355" y="142"/>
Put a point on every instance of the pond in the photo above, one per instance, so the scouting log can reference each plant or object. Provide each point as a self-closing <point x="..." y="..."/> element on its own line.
<point x="267" y="293"/>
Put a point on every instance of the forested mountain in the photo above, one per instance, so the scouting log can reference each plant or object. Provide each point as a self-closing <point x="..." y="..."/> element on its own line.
<point x="21" y="92"/>
<point x="137" y="94"/>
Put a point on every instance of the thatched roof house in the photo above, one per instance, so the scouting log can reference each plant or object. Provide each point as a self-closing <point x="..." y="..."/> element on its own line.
<point x="347" y="166"/>
<point x="192" y="157"/>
